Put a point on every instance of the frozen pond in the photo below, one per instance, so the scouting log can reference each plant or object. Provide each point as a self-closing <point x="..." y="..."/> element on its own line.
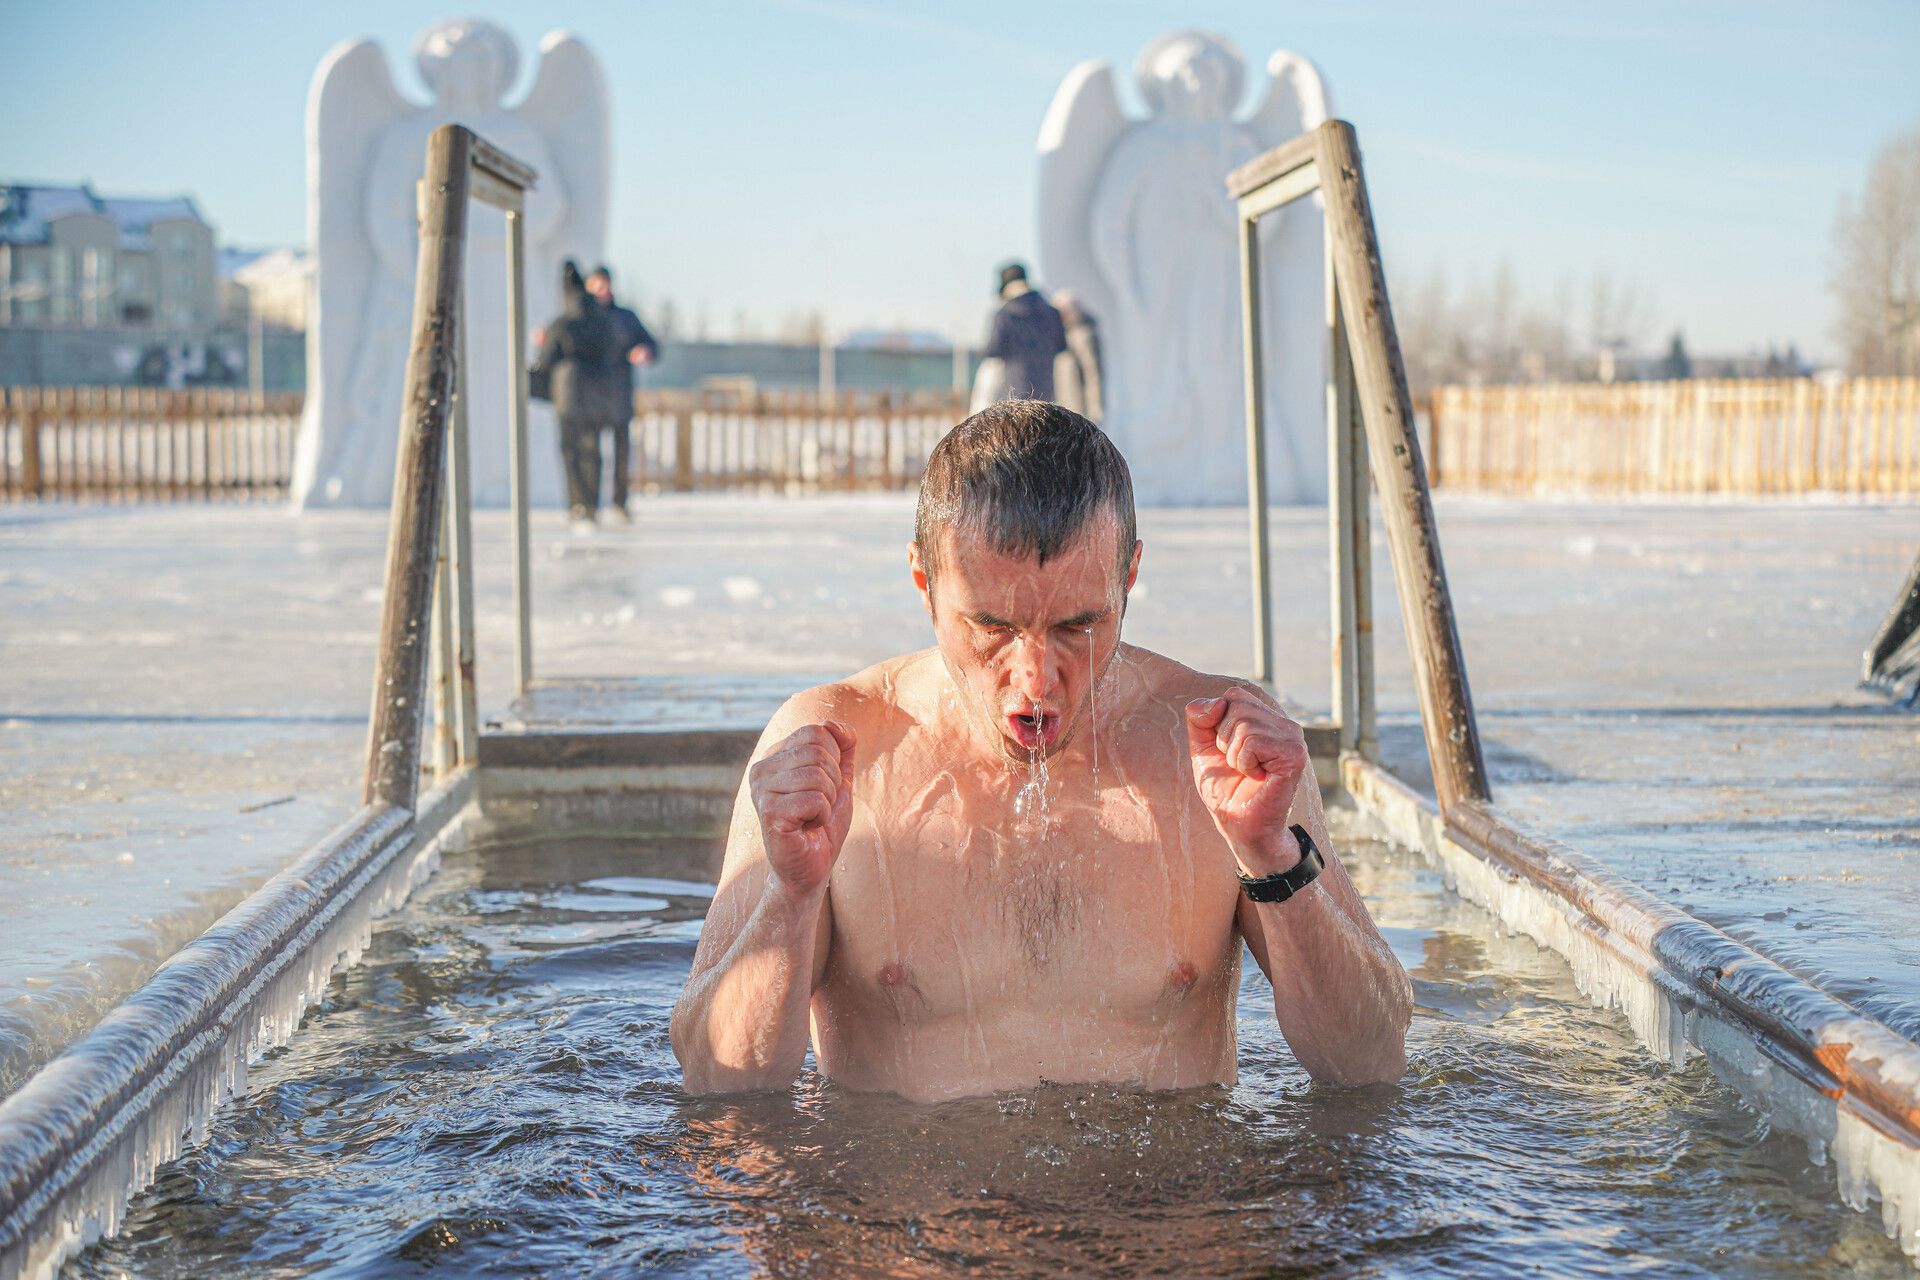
<point x="1669" y="687"/>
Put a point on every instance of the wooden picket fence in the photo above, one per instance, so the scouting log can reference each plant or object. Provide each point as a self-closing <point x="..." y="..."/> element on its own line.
<point x="139" y="444"/>
<point x="795" y="441"/>
<point x="1745" y="437"/>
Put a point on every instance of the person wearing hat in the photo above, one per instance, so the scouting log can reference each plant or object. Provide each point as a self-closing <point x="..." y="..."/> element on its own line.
<point x="1027" y="335"/>
<point x="636" y="349"/>
<point x="577" y="358"/>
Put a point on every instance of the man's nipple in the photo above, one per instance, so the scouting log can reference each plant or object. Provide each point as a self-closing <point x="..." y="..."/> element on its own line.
<point x="1182" y="977"/>
<point x="893" y="976"/>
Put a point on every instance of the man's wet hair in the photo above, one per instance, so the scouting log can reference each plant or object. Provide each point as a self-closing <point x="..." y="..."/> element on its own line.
<point x="1027" y="477"/>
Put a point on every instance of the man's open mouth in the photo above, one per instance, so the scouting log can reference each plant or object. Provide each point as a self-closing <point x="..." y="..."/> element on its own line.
<point x="1032" y="729"/>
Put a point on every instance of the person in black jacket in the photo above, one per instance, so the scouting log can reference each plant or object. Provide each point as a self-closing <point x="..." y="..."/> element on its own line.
<point x="636" y="349"/>
<point x="587" y="388"/>
<point x="1027" y="335"/>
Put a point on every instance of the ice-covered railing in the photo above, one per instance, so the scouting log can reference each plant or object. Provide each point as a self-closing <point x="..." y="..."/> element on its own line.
<point x="89" y="1130"/>
<point x="1892" y="662"/>
<point x="1848" y="1084"/>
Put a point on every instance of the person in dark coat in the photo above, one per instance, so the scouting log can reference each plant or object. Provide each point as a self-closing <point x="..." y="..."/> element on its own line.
<point x="1027" y="335"/>
<point x="587" y="388"/>
<point x="637" y="348"/>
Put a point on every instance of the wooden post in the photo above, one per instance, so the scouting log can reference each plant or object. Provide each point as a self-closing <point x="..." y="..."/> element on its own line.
<point x="851" y="406"/>
<point x="1433" y="432"/>
<point x="399" y="685"/>
<point x="1911" y="432"/>
<point x="1446" y="704"/>
<point x="683" y="449"/>
<point x="31" y="477"/>
<point x="890" y="460"/>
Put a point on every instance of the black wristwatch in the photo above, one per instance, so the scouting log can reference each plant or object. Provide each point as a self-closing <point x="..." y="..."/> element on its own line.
<point x="1282" y="885"/>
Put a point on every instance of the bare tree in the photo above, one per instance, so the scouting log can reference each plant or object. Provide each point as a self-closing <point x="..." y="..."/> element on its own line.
<point x="1618" y="315"/>
<point x="1876" y="281"/>
<point x="1425" y="328"/>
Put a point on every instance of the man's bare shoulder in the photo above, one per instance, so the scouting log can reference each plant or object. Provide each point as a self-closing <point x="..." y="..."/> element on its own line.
<point x="1172" y="684"/>
<point x="866" y="700"/>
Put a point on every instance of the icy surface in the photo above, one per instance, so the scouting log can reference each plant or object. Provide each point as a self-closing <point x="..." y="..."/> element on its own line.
<point x="1666" y="687"/>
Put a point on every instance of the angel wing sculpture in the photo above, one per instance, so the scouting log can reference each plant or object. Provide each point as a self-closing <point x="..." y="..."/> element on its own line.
<point x="1135" y="219"/>
<point x="365" y="146"/>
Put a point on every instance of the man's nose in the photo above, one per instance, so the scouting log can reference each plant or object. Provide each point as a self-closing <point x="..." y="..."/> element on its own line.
<point x="1033" y="669"/>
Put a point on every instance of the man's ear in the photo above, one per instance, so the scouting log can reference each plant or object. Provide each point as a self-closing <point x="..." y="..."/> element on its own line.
<point x="1133" y="564"/>
<point x="920" y="580"/>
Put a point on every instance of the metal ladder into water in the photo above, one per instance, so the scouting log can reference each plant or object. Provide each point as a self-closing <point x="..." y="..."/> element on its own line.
<point x="1814" y="1064"/>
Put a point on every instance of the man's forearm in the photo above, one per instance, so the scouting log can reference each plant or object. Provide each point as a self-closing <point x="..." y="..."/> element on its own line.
<point x="1341" y="997"/>
<point x="742" y="1023"/>
<point x="1342" y="1000"/>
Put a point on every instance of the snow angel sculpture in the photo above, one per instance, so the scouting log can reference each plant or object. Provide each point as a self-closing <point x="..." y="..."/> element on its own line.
<point x="366" y="145"/>
<point x="1136" y="221"/>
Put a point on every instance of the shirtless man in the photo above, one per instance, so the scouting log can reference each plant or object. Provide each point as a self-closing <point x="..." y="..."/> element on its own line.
<point x="1016" y="857"/>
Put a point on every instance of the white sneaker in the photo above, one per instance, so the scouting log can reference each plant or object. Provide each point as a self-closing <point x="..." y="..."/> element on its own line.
<point x="581" y="526"/>
<point x="622" y="514"/>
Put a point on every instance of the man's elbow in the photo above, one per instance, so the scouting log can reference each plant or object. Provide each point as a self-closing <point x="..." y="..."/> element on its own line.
<point x="1378" y="1055"/>
<point x="707" y="1068"/>
<point x="1382" y="1062"/>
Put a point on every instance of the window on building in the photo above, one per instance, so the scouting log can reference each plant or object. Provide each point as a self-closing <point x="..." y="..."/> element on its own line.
<point x="61" y="291"/>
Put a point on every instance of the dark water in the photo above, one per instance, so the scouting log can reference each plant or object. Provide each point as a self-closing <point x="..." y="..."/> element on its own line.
<point x="491" y="1092"/>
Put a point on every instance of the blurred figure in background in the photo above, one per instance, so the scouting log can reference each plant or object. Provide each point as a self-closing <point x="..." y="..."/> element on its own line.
<point x="1078" y="372"/>
<point x="589" y="390"/>
<point x="1027" y="335"/>
<point x="636" y="349"/>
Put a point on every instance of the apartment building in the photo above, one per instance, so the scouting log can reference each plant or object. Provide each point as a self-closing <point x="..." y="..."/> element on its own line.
<point x="70" y="258"/>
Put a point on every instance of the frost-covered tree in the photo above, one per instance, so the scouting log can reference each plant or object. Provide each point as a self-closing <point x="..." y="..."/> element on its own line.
<point x="1876" y="280"/>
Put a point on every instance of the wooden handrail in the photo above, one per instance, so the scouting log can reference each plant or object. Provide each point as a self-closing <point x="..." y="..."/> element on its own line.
<point x="419" y="483"/>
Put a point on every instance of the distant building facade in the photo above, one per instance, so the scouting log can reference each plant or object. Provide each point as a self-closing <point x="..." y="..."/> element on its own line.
<point x="267" y="285"/>
<point x="70" y="258"/>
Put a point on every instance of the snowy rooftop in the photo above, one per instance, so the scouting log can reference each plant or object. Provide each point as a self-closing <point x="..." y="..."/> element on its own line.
<point x="27" y="212"/>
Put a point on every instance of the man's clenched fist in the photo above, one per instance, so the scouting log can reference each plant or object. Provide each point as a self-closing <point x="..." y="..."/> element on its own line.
<point x="803" y="792"/>
<point x="1248" y="760"/>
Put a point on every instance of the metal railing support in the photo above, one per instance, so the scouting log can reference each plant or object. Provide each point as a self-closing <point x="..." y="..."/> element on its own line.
<point x="459" y="563"/>
<point x="1327" y="160"/>
<point x="517" y="434"/>
<point x="1350" y="537"/>
<point x="1256" y="449"/>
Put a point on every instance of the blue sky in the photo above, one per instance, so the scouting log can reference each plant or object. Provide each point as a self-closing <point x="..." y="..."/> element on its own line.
<point x="874" y="161"/>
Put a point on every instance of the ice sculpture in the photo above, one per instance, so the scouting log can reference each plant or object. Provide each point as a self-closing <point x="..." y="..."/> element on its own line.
<point x="1135" y="219"/>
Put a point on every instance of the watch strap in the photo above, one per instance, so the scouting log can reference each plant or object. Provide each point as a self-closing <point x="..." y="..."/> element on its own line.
<point x="1282" y="885"/>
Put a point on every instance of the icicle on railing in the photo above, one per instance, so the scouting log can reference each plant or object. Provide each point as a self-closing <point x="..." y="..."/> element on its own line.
<point x="191" y="1075"/>
<point x="1617" y="963"/>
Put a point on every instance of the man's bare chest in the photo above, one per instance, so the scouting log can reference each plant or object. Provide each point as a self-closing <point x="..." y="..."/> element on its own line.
<point x="949" y="904"/>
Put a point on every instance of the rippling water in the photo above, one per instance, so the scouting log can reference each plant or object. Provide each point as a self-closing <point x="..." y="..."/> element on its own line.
<point x="491" y="1092"/>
